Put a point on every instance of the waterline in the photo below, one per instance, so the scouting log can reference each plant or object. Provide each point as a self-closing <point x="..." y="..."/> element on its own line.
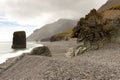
<point x="6" y="56"/>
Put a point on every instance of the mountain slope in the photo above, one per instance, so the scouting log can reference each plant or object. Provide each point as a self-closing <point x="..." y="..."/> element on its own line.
<point x="111" y="14"/>
<point x="109" y="4"/>
<point x="50" y="29"/>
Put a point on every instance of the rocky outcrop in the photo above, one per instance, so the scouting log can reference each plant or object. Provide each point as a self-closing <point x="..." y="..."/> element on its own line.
<point x="42" y="50"/>
<point x="19" y="40"/>
<point x="93" y="31"/>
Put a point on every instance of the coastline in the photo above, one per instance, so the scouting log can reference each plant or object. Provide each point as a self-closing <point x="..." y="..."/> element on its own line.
<point x="10" y="62"/>
<point x="10" y="53"/>
<point x="13" y="60"/>
<point x="93" y="65"/>
<point x="9" y="59"/>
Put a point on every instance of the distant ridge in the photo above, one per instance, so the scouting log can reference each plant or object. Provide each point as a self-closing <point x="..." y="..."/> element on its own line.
<point x="51" y="29"/>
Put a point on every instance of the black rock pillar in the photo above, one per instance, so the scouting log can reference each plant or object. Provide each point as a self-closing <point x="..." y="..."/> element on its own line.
<point x="19" y="40"/>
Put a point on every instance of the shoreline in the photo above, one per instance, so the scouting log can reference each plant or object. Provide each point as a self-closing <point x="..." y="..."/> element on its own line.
<point x="9" y="61"/>
<point x="92" y="65"/>
<point x="17" y="52"/>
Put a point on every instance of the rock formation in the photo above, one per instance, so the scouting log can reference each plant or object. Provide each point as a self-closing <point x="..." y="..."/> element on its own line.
<point x="92" y="32"/>
<point x="42" y="50"/>
<point x="19" y="40"/>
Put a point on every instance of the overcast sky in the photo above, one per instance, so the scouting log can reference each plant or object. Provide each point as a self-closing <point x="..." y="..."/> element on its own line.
<point x="35" y="13"/>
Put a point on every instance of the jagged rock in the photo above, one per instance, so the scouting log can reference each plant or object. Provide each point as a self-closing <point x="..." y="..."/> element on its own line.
<point x="89" y="28"/>
<point x="80" y="50"/>
<point x="94" y="29"/>
<point x="76" y="51"/>
<point x="42" y="50"/>
<point x="19" y="40"/>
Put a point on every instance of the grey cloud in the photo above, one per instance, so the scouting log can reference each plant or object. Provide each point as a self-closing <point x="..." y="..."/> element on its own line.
<point x="30" y="9"/>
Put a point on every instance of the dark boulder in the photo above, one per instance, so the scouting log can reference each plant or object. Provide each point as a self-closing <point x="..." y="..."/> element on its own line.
<point x="42" y="50"/>
<point x="19" y="40"/>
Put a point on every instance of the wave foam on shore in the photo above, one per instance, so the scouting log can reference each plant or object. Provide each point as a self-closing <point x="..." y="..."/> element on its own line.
<point x="5" y="57"/>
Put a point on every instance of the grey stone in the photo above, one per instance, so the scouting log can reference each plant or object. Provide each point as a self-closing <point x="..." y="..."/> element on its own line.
<point x="70" y="53"/>
<point x="75" y="51"/>
<point x="80" y="50"/>
<point x="42" y="50"/>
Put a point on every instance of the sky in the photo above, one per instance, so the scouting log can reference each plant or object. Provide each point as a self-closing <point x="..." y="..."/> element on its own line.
<point x="28" y="15"/>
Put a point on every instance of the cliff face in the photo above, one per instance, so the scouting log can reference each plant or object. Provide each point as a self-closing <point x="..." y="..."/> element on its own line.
<point x="51" y="29"/>
<point x="109" y="4"/>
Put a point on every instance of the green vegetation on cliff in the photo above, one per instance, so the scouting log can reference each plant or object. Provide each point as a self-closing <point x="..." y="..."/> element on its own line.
<point x="62" y="36"/>
<point x="115" y="7"/>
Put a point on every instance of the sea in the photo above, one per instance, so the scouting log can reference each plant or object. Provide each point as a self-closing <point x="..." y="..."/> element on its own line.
<point x="7" y="52"/>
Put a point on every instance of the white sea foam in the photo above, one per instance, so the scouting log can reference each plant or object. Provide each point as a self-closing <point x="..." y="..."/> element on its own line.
<point x="4" y="57"/>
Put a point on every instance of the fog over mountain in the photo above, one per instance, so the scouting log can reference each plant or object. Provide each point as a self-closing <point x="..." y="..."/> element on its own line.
<point x="40" y="12"/>
<point x="36" y="13"/>
<point x="53" y="28"/>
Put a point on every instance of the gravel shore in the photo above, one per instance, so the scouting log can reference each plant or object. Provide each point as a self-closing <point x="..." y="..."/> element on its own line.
<point x="103" y="64"/>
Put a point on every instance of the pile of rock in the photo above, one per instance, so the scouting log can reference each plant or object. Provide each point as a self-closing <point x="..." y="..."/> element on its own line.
<point x="93" y="31"/>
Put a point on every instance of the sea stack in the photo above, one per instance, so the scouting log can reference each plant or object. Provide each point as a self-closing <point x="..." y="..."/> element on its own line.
<point x="19" y="40"/>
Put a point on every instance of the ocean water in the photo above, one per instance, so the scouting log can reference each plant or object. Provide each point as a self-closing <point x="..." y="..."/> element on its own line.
<point x="7" y="52"/>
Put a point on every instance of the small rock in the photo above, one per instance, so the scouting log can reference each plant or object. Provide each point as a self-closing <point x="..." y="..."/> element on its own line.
<point x="70" y="53"/>
<point x="75" y="51"/>
<point x="80" y="50"/>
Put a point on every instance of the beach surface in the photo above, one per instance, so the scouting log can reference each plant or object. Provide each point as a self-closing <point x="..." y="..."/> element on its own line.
<point x="103" y="64"/>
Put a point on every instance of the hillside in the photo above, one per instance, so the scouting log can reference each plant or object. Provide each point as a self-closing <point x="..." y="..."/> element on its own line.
<point x="111" y="14"/>
<point x="53" y="28"/>
<point x="62" y="36"/>
<point x="109" y="4"/>
<point x="117" y="7"/>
